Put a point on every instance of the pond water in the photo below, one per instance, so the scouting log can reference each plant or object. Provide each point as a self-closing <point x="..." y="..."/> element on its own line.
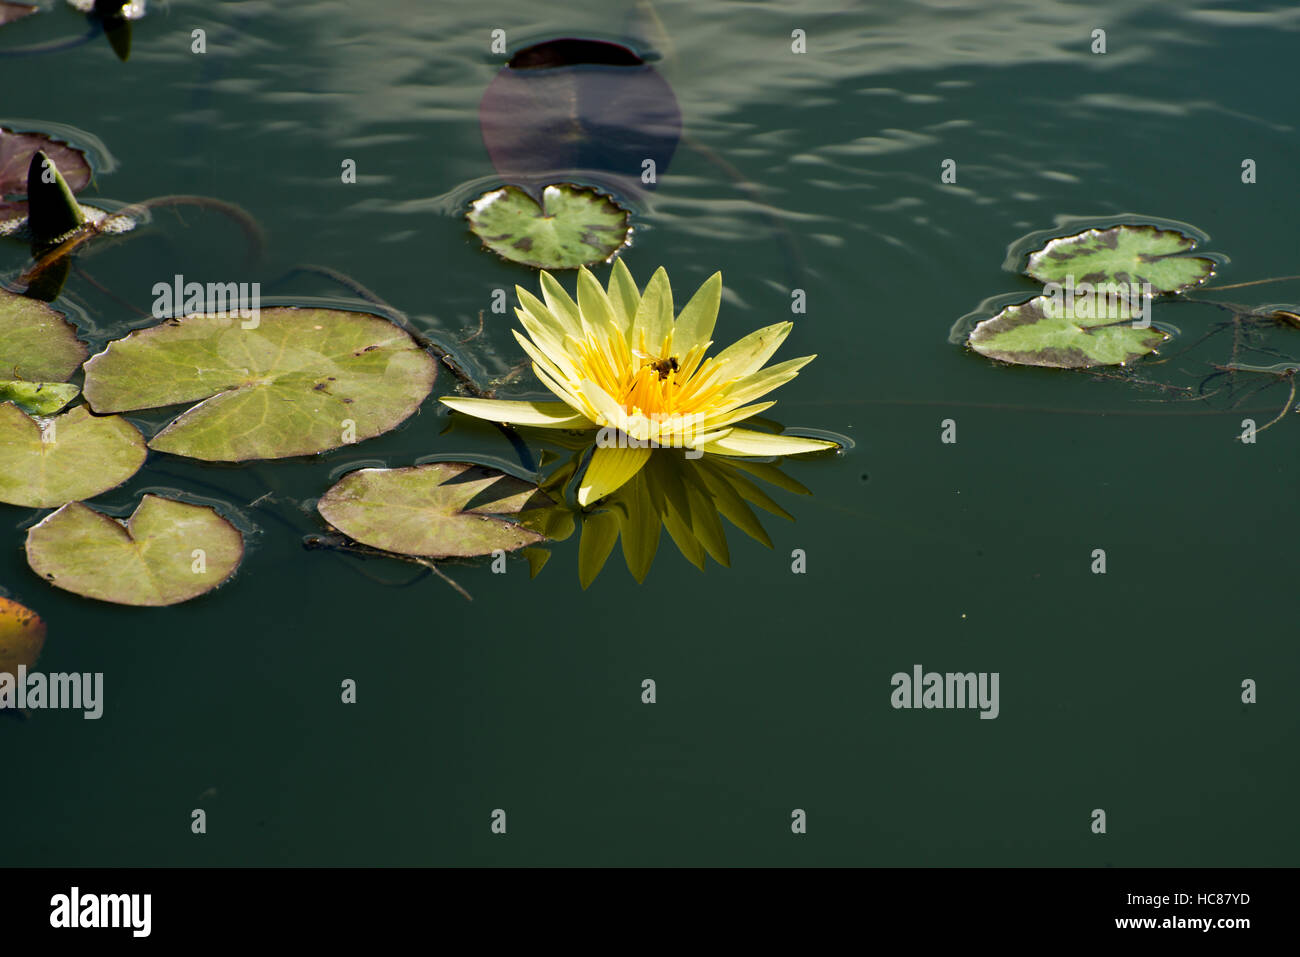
<point x="818" y="171"/>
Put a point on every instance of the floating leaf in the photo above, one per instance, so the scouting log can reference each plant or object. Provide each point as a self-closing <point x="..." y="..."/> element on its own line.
<point x="9" y="12"/>
<point x="167" y="552"/>
<point x="22" y="635"/>
<point x="48" y="462"/>
<point x="38" y="398"/>
<point x="16" y="152"/>
<point x="1042" y="332"/>
<point x="302" y="381"/>
<point x="582" y="109"/>
<point x="36" y="343"/>
<point x="423" y="510"/>
<point x="574" y="226"/>
<point x="1122" y="254"/>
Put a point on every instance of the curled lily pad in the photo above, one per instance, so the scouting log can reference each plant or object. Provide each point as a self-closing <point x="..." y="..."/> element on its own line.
<point x="1042" y="332"/>
<point x="36" y="343"/>
<point x="1122" y="254"/>
<point x="167" y="552"/>
<point x="16" y="152"/>
<point x="38" y="398"/>
<point x="425" y="510"/>
<point x="573" y="226"/>
<point x="48" y="462"/>
<point x="22" y="635"/>
<point x="295" y="382"/>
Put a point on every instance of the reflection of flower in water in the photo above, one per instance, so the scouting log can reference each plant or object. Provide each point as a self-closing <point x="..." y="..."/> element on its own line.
<point x="689" y="497"/>
<point x="620" y="364"/>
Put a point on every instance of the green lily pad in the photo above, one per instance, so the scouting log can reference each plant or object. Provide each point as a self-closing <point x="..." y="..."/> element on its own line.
<point x="16" y="152"/>
<point x="22" y="635"/>
<point x="1122" y="254"/>
<point x="38" y="398"/>
<point x="302" y="381"/>
<point x="423" y="511"/>
<point x="48" y="462"/>
<point x="1034" y="333"/>
<point x="167" y="552"/>
<point x="574" y="226"/>
<point x="36" y="343"/>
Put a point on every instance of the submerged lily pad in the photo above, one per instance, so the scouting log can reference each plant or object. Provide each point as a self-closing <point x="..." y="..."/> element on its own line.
<point x="22" y="635"/>
<point x="9" y="12"/>
<point x="38" y="398"/>
<point x="36" y="343"/>
<point x="48" y="462"/>
<point x="302" y="381"/>
<point x="574" y="226"/>
<point x="167" y="552"/>
<point x="16" y="152"/>
<point x="1122" y="254"/>
<point x="577" y="108"/>
<point x="422" y="510"/>
<point x="1042" y="332"/>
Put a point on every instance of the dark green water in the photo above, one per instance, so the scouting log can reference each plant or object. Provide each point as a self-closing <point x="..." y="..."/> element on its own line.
<point x="1119" y="691"/>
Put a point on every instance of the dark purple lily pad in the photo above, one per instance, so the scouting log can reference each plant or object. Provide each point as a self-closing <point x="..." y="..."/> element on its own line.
<point x="578" y="109"/>
<point x="16" y="152"/>
<point x="9" y="12"/>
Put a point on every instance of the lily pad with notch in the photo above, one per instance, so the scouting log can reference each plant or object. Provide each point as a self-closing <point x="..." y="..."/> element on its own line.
<point x="1041" y="332"/>
<point x="572" y="226"/>
<point x="46" y="462"/>
<point x="427" y="510"/>
<point x="302" y="381"/>
<point x="167" y="552"/>
<point x="37" y="344"/>
<point x="1123" y="254"/>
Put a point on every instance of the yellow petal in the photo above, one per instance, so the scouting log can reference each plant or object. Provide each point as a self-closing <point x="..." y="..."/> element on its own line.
<point x="561" y="304"/>
<point x="748" y="442"/>
<point x="623" y="295"/>
<point x="544" y="415"/>
<point x="695" y="325"/>
<point x="654" y="315"/>
<point x="750" y="353"/>
<point x="610" y="468"/>
<point x="760" y="383"/>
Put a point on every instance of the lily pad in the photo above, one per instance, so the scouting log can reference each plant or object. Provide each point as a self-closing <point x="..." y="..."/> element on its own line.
<point x="167" y="552"/>
<point x="301" y="381"/>
<point x="22" y="635"/>
<point x="16" y="152"/>
<point x="48" y="462"/>
<point x="577" y="108"/>
<point x="423" y="510"/>
<point x="38" y="398"/>
<point x="1122" y="254"/>
<point x="9" y="12"/>
<point x="1041" y="332"/>
<point x="573" y="226"/>
<point x="36" y="343"/>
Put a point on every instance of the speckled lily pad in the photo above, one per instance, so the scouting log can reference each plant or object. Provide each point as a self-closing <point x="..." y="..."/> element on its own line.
<point x="573" y="226"/>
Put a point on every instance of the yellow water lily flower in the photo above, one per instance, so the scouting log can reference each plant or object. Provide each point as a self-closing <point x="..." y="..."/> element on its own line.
<point x="619" y="362"/>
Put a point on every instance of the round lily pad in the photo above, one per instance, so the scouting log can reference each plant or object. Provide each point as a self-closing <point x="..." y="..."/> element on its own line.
<point x="1041" y="332"/>
<point x="1122" y="254"/>
<point x="295" y="382"/>
<point x="36" y="343"/>
<point x="48" y="462"/>
<point x="38" y="398"/>
<point x="167" y="552"/>
<point x="574" y="226"/>
<point x="16" y="152"/>
<point x="423" y="510"/>
<point x="22" y="635"/>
